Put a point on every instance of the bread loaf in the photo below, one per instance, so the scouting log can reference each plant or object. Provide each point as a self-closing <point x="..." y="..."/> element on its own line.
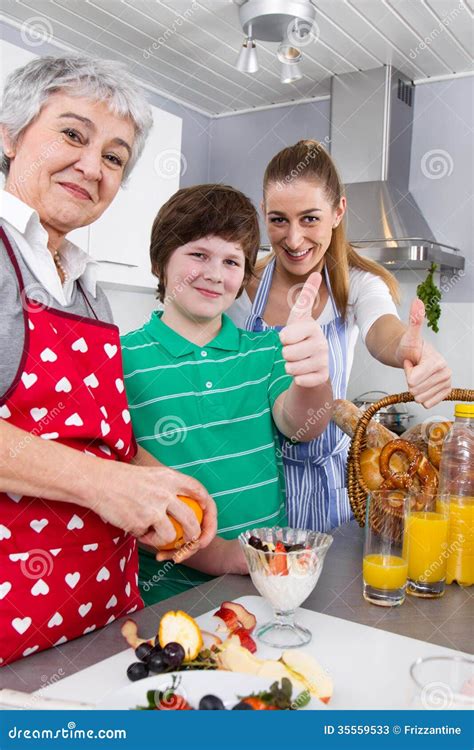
<point x="346" y="415"/>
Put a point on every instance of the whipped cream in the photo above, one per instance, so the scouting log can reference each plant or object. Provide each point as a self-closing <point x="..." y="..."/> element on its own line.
<point x="286" y="592"/>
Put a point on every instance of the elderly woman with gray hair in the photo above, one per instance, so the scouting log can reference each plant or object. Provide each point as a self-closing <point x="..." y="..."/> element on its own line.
<point x="75" y="490"/>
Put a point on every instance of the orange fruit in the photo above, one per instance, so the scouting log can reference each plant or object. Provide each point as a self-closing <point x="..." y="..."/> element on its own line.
<point x="179" y="538"/>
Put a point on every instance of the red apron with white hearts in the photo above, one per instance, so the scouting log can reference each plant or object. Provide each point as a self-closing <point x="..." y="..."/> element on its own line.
<point x="64" y="572"/>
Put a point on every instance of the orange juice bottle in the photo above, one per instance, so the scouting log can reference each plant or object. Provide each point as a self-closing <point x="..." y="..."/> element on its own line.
<point x="457" y="489"/>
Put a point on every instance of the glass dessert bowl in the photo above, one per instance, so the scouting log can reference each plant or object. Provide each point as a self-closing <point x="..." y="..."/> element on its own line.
<point x="284" y="565"/>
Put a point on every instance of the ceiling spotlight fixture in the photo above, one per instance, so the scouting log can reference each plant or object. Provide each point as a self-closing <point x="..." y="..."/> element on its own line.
<point x="290" y="72"/>
<point x="247" y="61"/>
<point x="288" y="22"/>
<point x="288" y="54"/>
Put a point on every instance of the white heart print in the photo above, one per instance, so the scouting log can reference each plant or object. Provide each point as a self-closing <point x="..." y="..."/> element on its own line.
<point x="19" y="556"/>
<point x="47" y="355"/>
<point x="4" y="532"/>
<point x="4" y="589"/>
<point x="29" y="651"/>
<point x="28" y="379"/>
<point x="62" y="640"/>
<point x="55" y="552"/>
<point x="112" y="602"/>
<point x="119" y="385"/>
<point x="75" y="523"/>
<point x="126" y="416"/>
<point x="110" y="350"/>
<point x="103" y="574"/>
<point x="40" y="588"/>
<point x="80" y="345"/>
<point x="38" y="524"/>
<point x="15" y="498"/>
<point x="50" y="435"/>
<point x="104" y="427"/>
<point x="84" y="609"/>
<point x="90" y="547"/>
<point x="74" y="420"/>
<point x="122" y="563"/>
<point x="91" y="381"/>
<point x="119" y="444"/>
<point x="105" y="449"/>
<point x="89" y="629"/>
<point x="21" y="625"/>
<point x="63" y="386"/>
<point x="38" y="413"/>
<point x="72" y="579"/>
<point x="104" y="412"/>
<point x="5" y="412"/>
<point x="56" y="619"/>
<point x="127" y="589"/>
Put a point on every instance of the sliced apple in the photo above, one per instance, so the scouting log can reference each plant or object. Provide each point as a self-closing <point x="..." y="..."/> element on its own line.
<point x="308" y="670"/>
<point x="129" y="631"/>
<point x="179" y="627"/>
<point x="228" y="617"/>
<point x="246" y="619"/>
<point x="235" y="658"/>
<point x="276" y="670"/>
<point x="245" y="639"/>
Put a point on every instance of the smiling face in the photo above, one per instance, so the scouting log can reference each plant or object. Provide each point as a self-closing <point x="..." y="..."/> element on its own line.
<point x="300" y="221"/>
<point x="203" y="279"/>
<point x="68" y="164"/>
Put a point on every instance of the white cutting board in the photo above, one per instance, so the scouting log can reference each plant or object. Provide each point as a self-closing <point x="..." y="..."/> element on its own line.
<point x="370" y="667"/>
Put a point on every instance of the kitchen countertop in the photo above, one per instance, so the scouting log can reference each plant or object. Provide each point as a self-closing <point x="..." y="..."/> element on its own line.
<point x="446" y="622"/>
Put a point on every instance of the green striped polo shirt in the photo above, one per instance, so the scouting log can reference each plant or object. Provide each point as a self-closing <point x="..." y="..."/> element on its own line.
<point x="207" y="412"/>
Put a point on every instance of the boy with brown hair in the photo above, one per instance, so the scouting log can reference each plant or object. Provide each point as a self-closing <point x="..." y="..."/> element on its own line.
<point x="206" y="398"/>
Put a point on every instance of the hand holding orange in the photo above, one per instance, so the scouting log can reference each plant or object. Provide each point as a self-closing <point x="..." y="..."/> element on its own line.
<point x="179" y="539"/>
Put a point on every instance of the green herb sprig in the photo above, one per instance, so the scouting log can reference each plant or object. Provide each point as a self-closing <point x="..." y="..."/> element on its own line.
<point x="430" y="295"/>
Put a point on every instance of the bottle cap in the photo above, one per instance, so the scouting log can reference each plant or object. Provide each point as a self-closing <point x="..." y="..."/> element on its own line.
<point x="464" y="410"/>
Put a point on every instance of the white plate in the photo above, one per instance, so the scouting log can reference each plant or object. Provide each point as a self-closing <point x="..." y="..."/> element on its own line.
<point x="228" y="686"/>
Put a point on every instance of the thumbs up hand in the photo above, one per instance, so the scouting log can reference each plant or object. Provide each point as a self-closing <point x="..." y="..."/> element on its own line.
<point x="305" y="348"/>
<point x="427" y="373"/>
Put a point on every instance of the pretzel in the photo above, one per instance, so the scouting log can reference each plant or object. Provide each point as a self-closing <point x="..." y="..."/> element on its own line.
<point x="418" y="467"/>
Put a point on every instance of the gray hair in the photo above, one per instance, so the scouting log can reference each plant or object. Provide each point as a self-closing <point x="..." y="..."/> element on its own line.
<point x="28" y="88"/>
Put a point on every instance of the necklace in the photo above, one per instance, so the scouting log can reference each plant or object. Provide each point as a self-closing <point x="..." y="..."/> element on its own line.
<point x="57" y="262"/>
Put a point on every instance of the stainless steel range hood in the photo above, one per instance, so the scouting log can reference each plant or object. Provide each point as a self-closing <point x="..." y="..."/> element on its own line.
<point x="371" y="133"/>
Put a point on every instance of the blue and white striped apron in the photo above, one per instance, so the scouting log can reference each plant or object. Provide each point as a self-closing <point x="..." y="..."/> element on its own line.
<point x="315" y="472"/>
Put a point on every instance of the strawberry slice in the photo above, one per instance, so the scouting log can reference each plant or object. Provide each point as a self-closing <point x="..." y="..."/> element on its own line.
<point x="257" y="704"/>
<point x="173" y="702"/>
<point x="278" y="563"/>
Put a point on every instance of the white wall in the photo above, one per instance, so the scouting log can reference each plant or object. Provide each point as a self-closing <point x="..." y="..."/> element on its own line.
<point x="454" y="341"/>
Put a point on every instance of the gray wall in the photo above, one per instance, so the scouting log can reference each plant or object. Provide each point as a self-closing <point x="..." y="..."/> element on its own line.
<point x="441" y="172"/>
<point x="242" y="145"/>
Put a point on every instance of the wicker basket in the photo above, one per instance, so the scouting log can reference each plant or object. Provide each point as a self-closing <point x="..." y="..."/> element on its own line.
<point x="356" y="488"/>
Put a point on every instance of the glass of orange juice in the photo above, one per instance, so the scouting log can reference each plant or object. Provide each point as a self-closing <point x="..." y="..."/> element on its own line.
<point x="427" y="536"/>
<point x="385" y="562"/>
